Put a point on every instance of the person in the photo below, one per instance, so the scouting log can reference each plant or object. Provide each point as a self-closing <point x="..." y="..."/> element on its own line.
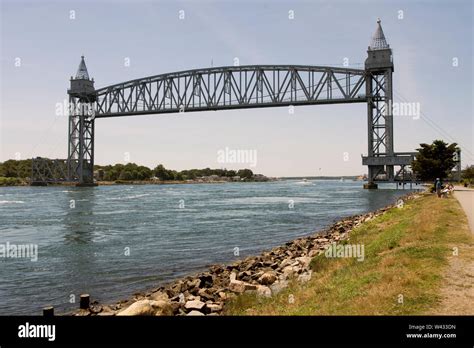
<point x="447" y="190"/>
<point x="438" y="187"/>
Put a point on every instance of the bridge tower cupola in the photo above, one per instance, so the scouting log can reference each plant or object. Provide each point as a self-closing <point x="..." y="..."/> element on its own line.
<point x="379" y="53"/>
<point x="81" y="85"/>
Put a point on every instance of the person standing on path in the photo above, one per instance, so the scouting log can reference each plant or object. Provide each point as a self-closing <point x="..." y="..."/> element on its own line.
<point x="438" y="187"/>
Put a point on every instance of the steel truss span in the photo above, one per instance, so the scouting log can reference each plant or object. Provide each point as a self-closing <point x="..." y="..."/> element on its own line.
<point x="223" y="88"/>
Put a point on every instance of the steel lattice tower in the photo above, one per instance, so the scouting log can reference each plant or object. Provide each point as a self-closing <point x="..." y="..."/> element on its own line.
<point x="82" y="97"/>
<point x="379" y="68"/>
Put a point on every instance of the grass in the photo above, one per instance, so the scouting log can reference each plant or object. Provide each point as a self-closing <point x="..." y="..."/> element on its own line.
<point x="406" y="254"/>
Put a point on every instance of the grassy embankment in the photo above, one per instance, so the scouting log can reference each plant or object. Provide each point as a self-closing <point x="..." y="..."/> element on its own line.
<point x="406" y="253"/>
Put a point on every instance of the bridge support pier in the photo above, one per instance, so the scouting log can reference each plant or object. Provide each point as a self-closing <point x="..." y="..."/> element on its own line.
<point x="82" y="97"/>
<point x="378" y="84"/>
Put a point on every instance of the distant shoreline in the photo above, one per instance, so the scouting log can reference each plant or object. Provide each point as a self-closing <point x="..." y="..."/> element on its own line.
<point x="25" y="182"/>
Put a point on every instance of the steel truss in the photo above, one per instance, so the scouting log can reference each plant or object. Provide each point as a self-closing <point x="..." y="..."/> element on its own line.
<point x="45" y="170"/>
<point x="223" y="88"/>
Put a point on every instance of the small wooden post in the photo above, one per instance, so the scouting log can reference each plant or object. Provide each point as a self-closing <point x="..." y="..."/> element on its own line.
<point x="48" y="311"/>
<point x="84" y="302"/>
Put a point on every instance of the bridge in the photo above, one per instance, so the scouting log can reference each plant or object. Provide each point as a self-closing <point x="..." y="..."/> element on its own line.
<point x="239" y="87"/>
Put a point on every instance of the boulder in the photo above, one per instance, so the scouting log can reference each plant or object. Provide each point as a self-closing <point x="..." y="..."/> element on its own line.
<point x="304" y="261"/>
<point x="288" y="272"/>
<point x="205" y="294"/>
<point x="278" y="286"/>
<point x="267" y="278"/>
<point x="264" y="291"/>
<point x="156" y="296"/>
<point x="194" y="305"/>
<point x="194" y="283"/>
<point x="237" y="286"/>
<point x="148" y="307"/>
<point x="214" y="307"/>
<point x="286" y="262"/>
<point x="195" y="313"/>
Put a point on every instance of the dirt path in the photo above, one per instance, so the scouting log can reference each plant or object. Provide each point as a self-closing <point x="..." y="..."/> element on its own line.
<point x="465" y="197"/>
<point x="457" y="293"/>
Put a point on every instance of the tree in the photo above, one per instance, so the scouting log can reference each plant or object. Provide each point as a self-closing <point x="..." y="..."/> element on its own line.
<point x="245" y="173"/>
<point x="468" y="173"/>
<point x="435" y="160"/>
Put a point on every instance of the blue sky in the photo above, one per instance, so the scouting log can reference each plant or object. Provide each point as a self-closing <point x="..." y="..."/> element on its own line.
<point x="151" y="35"/>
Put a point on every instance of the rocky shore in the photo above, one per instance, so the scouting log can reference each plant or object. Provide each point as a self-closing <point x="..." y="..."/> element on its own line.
<point x="265" y="275"/>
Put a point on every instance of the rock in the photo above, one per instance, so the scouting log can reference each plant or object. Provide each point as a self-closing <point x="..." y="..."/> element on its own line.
<point x="288" y="272"/>
<point x="214" y="307"/>
<point x="83" y="313"/>
<point x="274" y="265"/>
<point x="245" y="276"/>
<point x="206" y="280"/>
<point x="286" y="262"/>
<point x="194" y="305"/>
<point x="217" y="269"/>
<point x="148" y="307"/>
<point x="156" y="296"/>
<point x="222" y="295"/>
<point x="267" y="278"/>
<point x="264" y="291"/>
<point x="304" y="277"/>
<point x="237" y="286"/>
<point x="176" y="307"/>
<point x="257" y="275"/>
<point x="250" y="286"/>
<point x="313" y="253"/>
<point x="304" y="261"/>
<point x="193" y="298"/>
<point x="204" y="293"/>
<point x="195" y="313"/>
<point x="278" y="286"/>
<point x="240" y="286"/>
<point x="162" y="308"/>
<point x="95" y="309"/>
<point x="195" y="283"/>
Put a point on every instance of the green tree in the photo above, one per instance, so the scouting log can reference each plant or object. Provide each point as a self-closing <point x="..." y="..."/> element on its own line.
<point x="435" y="160"/>
<point x="161" y="172"/>
<point x="245" y="173"/>
<point x="468" y="173"/>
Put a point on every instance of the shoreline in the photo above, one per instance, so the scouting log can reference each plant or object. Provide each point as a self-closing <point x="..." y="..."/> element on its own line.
<point x="141" y="182"/>
<point x="266" y="274"/>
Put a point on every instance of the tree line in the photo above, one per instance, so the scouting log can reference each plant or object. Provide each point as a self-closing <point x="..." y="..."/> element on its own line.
<point x="130" y="171"/>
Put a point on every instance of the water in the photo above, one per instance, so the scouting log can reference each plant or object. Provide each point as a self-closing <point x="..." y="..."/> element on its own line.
<point x="82" y="249"/>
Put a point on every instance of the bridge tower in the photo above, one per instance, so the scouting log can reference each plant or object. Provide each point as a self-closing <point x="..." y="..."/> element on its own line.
<point x="379" y="69"/>
<point x="82" y="97"/>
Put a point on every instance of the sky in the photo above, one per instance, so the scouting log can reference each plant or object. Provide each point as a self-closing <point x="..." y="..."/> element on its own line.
<point x="41" y="45"/>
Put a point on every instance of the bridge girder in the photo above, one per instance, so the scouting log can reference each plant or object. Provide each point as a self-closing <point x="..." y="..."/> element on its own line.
<point x="232" y="87"/>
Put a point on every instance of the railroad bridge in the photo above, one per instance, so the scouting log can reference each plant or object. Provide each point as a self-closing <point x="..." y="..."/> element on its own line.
<point x="238" y="87"/>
